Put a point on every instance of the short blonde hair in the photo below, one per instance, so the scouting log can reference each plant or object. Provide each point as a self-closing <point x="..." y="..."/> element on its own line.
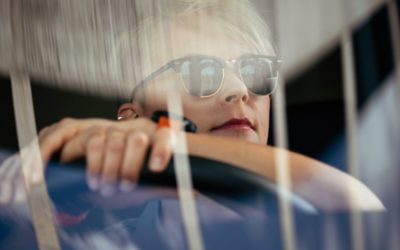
<point x="239" y="18"/>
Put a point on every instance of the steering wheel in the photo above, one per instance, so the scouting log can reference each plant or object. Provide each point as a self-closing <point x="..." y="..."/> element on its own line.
<point x="209" y="176"/>
<point x="227" y="191"/>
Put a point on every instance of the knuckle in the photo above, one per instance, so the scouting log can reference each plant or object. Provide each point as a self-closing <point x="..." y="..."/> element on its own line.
<point x="95" y="142"/>
<point x="138" y="138"/>
<point x="47" y="131"/>
<point x="110" y="130"/>
<point x="94" y="136"/>
<point x="97" y="130"/>
<point x="164" y="133"/>
<point x="42" y="136"/>
<point x="163" y="130"/>
<point x="115" y="144"/>
<point x="66" y="121"/>
<point x="43" y="130"/>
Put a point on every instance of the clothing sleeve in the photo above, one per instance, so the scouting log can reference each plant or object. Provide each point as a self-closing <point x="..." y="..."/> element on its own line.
<point x="12" y="191"/>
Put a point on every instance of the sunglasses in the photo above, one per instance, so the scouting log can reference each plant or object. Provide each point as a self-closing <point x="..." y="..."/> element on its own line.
<point x="202" y="76"/>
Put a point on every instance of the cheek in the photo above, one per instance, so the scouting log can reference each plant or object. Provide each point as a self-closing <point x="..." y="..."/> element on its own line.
<point x="198" y="112"/>
<point x="205" y="112"/>
<point x="193" y="108"/>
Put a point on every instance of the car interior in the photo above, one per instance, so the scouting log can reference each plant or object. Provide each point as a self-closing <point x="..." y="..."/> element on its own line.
<point x="237" y="209"/>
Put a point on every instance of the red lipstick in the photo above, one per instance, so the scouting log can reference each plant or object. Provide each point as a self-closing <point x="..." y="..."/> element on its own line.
<point x="235" y="124"/>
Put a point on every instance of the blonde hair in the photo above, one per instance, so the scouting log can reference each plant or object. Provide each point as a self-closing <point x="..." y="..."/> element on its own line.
<point x="154" y="18"/>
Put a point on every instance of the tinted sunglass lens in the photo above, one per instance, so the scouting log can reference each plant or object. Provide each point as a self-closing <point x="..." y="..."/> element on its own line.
<point x="201" y="76"/>
<point x="259" y="75"/>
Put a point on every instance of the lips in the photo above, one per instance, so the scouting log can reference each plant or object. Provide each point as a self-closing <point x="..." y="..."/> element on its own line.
<point x="235" y="124"/>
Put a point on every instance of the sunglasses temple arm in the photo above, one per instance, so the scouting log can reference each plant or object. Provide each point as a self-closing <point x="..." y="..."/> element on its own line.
<point x="152" y="76"/>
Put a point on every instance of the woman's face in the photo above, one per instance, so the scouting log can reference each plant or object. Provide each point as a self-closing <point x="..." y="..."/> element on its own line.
<point x="233" y="111"/>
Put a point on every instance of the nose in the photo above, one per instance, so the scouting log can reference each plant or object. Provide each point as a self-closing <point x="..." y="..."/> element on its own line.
<point x="234" y="89"/>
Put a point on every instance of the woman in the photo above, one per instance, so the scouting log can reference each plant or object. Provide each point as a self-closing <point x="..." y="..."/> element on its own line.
<point x="217" y="56"/>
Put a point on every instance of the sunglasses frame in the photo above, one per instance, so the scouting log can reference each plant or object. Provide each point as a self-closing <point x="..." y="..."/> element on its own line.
<point x="176" y="63"/>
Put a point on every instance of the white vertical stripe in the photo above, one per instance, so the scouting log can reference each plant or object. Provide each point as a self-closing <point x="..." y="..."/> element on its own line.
<point x="184" y="180"/>
<point x="32" y="165"/>
<point x="350" y="98"/>
<point x="282" y="168"/>
<point x="280" y="136"/>
<point x="181" y="159"/>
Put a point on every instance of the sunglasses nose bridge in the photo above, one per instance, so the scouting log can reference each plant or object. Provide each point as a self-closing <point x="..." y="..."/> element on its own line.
<point x="233" y="66"/>
<point x="235" y="86"/>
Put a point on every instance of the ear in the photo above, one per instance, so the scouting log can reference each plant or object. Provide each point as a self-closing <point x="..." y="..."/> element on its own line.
<point x="129" y="111"/>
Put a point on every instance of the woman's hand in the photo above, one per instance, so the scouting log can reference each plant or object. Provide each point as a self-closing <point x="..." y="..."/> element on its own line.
<point x="114" y="151"/>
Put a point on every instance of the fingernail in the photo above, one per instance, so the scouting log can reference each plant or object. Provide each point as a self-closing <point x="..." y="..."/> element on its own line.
<point x="93" y="182"/>
<point x="156" y="163"/>
<point x="107" y="187"/>
<point x="127" y="186"/>
<point x="107" y="190"/>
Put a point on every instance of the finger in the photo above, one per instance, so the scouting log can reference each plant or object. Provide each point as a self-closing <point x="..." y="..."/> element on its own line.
<point x="74" y="144"/>
<point x="94" y="159"/>
<point x="78" y="145"/>
<point x="113" y="152"/>
<point x="143" y="124"/>
<point x="43" y="132"/>
<point x="135" y="149"/>
<point x="53" y="138"/>
<point x="112" y="157"/>
<point x="162" y="149"/>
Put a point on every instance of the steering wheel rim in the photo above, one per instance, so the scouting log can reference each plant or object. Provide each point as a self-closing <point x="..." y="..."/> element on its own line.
<point x="209" y="176"/>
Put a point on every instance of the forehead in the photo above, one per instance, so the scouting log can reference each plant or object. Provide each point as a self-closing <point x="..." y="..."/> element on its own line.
<point x="205" y="38"/>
